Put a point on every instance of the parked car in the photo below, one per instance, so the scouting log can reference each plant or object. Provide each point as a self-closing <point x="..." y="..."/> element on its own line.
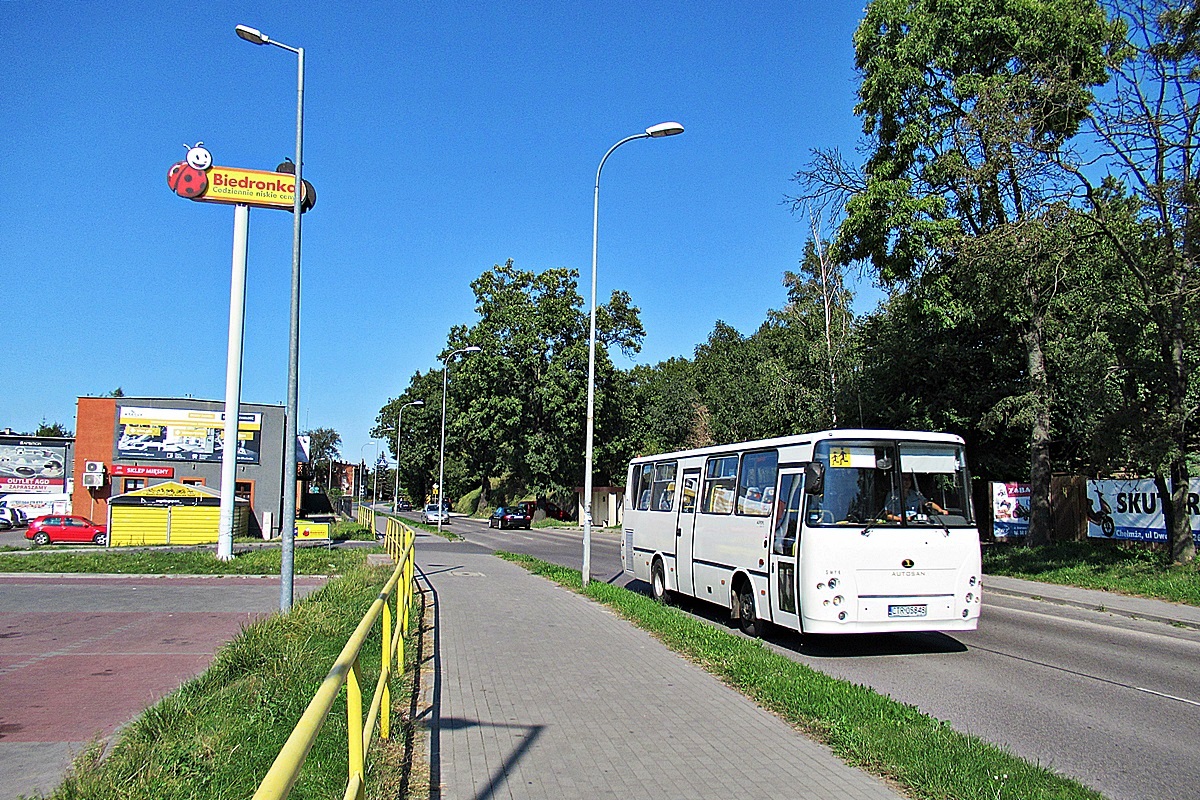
<point x="403" y="505"/>
<point x="5" y="525"/>
<point x="12" y="517"/>
<point x="551" y="511"/>
<point x="55" y="528"/>
<point x="431" y="514"/>
<point x="511" y="517"/>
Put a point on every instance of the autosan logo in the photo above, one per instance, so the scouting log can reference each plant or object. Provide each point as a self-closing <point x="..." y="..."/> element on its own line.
<point x="908" y="563"/>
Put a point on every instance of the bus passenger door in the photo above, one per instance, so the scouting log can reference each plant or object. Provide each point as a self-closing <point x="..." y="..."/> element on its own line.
<point x="785" y="543"/>
<point x="685" y="529"/>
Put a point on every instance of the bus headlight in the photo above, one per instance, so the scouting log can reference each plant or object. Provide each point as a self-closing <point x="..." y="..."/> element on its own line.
<point x="820" y="586"/>
<point x="973" y="580"/>
<point x="837" y="601"/>
<point x="970" y="596"/>
<point x="842" y="616"/>
<point x="833" y="582"/>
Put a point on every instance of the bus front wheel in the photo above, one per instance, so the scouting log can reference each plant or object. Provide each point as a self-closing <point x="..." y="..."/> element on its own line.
<point x="750" y="623"/>
<point x="658" y="582"/>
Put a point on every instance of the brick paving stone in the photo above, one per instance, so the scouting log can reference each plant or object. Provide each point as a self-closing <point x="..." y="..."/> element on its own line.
<point x="542" y="693"/>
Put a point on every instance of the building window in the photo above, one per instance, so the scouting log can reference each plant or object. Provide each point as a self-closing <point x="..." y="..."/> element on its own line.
<point x="131" y="484"/>
<point x="192" y="481"/>
<point x="244" y="490"/>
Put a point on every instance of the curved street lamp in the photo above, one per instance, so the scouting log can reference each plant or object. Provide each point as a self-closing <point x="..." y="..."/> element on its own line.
<point x="441" y="487"/>
<point x="653" y="132"/>
<point x="362" y="459"/>
<point x="288" y="524"/>
<point x="400" y="416"/>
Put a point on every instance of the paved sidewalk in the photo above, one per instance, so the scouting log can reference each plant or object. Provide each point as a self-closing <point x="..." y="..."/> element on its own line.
<point x="541" y="693"/>
<point x="1123" y="605"/>
<point x="83" y="654"/>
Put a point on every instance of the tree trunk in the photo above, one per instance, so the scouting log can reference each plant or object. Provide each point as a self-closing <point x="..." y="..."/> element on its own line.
<point x="1039" y="440"/>
<point x="1175" y="513"/>
<point x="485" y="486"/>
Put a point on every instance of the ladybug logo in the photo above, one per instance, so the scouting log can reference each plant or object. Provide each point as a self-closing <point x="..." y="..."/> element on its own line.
<point x="188" y="178"/>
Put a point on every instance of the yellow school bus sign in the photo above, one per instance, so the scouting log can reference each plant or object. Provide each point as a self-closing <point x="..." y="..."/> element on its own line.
<point x="197" y="178"/>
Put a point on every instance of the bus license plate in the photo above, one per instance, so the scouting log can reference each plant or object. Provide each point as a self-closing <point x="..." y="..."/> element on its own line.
<point x="906" y="611"/>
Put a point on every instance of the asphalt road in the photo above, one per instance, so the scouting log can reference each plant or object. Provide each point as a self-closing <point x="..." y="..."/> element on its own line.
<point x="1110" y="701"/>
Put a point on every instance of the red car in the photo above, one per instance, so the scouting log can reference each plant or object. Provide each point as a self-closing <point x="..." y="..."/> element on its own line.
<point x="54" y="528"/>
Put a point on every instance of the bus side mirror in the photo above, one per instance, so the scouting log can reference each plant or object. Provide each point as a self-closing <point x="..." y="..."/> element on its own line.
<point x="814" y="477"/>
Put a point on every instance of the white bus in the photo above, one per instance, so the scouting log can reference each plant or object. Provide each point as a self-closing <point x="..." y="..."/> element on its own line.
<point x="842" y="531"/>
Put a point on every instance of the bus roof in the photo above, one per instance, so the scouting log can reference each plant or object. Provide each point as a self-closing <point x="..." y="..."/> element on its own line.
<point x="804" y="438"/>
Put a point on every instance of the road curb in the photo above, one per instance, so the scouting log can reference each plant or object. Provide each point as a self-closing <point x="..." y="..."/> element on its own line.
<point x="1090" y="606"/>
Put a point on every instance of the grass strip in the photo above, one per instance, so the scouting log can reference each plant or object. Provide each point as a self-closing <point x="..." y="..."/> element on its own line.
<point x="259" y="561"/>
<point x="1128" y="569"/>
<point x="216" y="736"/>
<point x="925" y="756"/>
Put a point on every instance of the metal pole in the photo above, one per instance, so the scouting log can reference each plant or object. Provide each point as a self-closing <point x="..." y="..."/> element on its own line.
<point x="287" y="562"/>
<point x="441" y="489"/>
<point x="233" y="381"/>
<point x="400" y="416"/>
<point x="591" y="383"/>
<point x="375" y="482"/>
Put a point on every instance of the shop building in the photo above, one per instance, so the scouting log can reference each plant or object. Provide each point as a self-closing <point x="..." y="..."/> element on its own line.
<point x="127" y="444"/>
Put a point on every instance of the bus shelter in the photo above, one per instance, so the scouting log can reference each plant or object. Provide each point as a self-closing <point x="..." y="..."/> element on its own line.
<point x="171" y="513"/>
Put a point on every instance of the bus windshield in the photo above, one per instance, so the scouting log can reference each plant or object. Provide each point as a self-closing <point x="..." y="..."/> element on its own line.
<point x="900" y="484"/>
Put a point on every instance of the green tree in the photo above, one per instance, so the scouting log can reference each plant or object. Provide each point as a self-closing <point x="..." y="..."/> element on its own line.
<point x="1148" y="205"/>
<point x="323" y="450"/>
<point x="52" y="429"/>
<point x="416" y="452"/>
<point x="965" y="107"/>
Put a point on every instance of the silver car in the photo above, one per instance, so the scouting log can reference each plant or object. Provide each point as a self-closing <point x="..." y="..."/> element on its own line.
<point x="431" y="514"/>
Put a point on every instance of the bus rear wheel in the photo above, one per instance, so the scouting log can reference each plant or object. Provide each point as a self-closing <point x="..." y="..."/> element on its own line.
<point x="658" y="582"/>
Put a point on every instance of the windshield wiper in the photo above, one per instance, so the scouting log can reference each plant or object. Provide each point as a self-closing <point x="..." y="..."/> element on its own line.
<point x="876" y="518"/>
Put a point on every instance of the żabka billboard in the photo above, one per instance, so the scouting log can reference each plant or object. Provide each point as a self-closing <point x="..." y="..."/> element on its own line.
<point x="196" y="178"/>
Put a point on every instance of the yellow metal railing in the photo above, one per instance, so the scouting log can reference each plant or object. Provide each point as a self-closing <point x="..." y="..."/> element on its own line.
<point x="366" y="516"/>
<point x="279" y="780"/>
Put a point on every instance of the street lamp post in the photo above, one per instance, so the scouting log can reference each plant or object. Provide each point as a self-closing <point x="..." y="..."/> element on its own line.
<point x="400" y="416"/>
<point x="653" y="132"/>
<point x="442" y="456"/>
<point x="375" y="481"/>
<point x="288" y="525"/>
<point x="362" y="460"/>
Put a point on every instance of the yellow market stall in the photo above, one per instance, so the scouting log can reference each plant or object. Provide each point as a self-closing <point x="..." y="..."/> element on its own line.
<point x="171" y="513"/>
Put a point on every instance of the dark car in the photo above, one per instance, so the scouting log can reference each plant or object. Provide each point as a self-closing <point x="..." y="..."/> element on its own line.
<point x="554" y="512"/>
<point x="551" y="511"/>
<point x="404" y="505"/>
<point x="510" y="517"/>
<point x="55" y="528"/>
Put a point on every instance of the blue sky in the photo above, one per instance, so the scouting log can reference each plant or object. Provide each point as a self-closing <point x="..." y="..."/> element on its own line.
<point x="442" y="138"/>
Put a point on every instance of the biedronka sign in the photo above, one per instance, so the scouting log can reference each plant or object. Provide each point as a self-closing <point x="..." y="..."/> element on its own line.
<point x="197" y="178"/>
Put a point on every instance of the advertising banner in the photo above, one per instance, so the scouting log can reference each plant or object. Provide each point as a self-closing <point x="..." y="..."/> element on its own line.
<point x="1010" y="510"/>
<point x="179" y="434"/>
<point x="37" y="505"/>
<point x="33" y="466"/>
<point x="1133" y="510"/>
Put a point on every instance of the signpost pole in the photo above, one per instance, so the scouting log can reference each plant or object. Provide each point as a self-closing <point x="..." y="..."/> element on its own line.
<point x="233" y="381"/>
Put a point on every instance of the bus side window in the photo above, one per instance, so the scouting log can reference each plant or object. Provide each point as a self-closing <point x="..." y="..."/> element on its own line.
<point x="787" y="521"/>
<point x="688" y="505"/>
<point x="644" y="485"/>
